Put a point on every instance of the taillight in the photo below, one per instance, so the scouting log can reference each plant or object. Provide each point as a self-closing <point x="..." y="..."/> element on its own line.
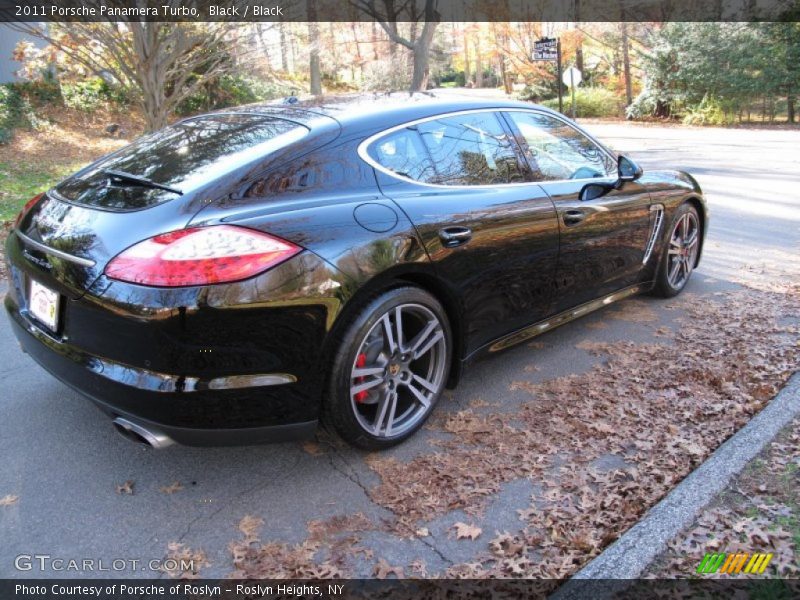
<point x="200" y="256"/>
<point x="28" y="205"/>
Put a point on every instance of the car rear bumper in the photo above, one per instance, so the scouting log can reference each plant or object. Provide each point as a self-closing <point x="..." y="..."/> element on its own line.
<point x="128" y="393"/>
<point x="227" y="364"/>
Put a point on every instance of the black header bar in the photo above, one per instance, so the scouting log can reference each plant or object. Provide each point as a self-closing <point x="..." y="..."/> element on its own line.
<point x="407" y="10"/>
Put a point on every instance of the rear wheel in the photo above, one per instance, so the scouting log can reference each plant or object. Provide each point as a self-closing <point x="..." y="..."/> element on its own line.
<point x="680" y="255"/>
<point x="390" y="369"/>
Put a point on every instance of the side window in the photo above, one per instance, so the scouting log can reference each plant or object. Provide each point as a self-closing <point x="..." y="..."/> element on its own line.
<point x="470" y="149"/>
<point x="402" y="152"/>
<point x="558" y="151"/>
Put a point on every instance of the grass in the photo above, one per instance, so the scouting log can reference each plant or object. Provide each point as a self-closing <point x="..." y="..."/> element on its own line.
<point x="21" y="181"/>
<point x="65" y="141"/>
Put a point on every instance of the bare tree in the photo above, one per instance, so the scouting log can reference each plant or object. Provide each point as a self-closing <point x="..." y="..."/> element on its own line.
<point x="162" y="63"/>
<point x="420" y="45"/>
<point x="626" y="64"/>
<point x="315" y="77"/>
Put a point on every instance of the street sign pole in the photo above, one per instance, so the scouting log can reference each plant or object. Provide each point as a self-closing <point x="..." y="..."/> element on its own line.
<point x="558" y="59"/>
<point x="572" y="87"/>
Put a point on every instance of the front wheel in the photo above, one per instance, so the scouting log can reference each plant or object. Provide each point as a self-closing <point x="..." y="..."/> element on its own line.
<point x="680" y="255"/>
<point x="390" y="369"/>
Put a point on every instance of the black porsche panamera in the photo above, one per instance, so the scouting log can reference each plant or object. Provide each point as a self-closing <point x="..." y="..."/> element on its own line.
<point x="240" y="275"/>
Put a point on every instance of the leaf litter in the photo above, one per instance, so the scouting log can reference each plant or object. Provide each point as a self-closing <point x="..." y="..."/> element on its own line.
<point x="758" y="512"/>
<point x="662" y="408"/>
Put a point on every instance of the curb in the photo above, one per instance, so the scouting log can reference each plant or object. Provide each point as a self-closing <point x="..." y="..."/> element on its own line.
<point x="627" y="558"/>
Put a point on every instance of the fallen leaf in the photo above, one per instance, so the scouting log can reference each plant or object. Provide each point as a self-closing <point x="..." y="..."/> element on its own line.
<point x="464" y="531"/>
<point x="172" y="488"/>
<point x="188" y="561"/>
<point x="126" y="488"/>
<point x="383" y="569"/>
<point x="422" y="532"/>
<point x="8" y="500"/>
<point x="249" y="526"/>
<point x="313" y="448"/>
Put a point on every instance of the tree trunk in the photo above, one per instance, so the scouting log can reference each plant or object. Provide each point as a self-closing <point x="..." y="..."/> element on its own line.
<point x="478" y="62"/>
<point x="284" y="49"/>
<point x="374" y="40"/>
<point x="466" y="59"/>
<point x="790" y="113"/>
<point x="626" y="64"/>
<point x="146" y="42"/>
<point x="315" y="78"/>
<point x="292" y="51"/>
<point x="422" y="47"/>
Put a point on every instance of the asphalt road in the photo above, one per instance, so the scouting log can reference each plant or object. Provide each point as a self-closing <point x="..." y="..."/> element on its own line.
<point x="63" y="460"/>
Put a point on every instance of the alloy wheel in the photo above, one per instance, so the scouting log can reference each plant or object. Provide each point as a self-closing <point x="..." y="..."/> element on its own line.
<point x="682" y="251"/>
<point x="399" y="370"/>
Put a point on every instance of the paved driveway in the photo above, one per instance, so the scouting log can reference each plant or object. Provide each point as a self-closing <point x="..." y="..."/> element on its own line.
<point x="63" y="460"/>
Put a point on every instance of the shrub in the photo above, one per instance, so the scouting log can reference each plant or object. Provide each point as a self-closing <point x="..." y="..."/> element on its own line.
<point x="539" y="91"/>
<point x="15" y="111"/>
<point x="710" y="111"/>
<point x="590" y="102"/>
<point x="642" y="107"/>
<point x="386" y="75"/>
<point x="232" y="90"/>
<point x="87" y="95"/>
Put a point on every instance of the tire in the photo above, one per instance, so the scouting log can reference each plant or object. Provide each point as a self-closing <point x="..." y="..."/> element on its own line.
<point x="679" y="254"/>
<point x="388" y="402"/>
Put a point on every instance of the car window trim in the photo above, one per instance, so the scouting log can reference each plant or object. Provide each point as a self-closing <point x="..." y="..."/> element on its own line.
<point x="364" y="145"/>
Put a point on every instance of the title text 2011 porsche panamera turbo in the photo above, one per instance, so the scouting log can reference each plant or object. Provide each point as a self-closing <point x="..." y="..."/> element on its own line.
<point x="238" y="276"/>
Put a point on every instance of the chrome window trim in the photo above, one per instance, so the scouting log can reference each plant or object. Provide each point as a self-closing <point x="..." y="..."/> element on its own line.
<point x="85" y="262"/>
<point x="364" y="155"/>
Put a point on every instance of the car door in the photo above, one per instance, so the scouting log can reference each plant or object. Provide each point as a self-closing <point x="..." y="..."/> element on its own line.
<point x="492" y="235"/>
<point x="602" y="241"/>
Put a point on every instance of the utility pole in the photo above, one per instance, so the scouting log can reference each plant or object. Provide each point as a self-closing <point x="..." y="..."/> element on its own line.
<point x="558" y="78"/>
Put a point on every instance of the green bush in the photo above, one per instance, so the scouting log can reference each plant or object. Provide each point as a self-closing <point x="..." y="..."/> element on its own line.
<point x="710" y="111"/>
<point x="231" y="90"/>
<point x="589" y="102"/>
<point x="538" y="91"/>
<point x="88" y="94"/>
<point x="15" y="111"/>
<point x="642" y="107"/>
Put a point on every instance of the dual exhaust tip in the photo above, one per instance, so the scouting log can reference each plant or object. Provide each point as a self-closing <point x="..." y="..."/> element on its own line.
<point x="142" y="435"/>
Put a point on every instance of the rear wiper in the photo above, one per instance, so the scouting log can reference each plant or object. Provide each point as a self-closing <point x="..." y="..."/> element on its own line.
<point x="121" y="177"/>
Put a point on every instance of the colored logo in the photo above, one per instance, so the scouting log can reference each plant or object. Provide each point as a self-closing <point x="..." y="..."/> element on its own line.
<point x="733" y="564"/>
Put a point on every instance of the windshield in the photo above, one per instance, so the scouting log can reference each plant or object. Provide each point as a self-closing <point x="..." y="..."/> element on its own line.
<point x="184" y="156"/>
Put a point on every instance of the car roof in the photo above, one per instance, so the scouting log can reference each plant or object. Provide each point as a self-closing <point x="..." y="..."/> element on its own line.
<point x="376" y="109"/>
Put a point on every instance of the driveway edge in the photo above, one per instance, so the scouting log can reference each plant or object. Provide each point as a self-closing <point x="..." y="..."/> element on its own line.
<point x="628" y="557"/>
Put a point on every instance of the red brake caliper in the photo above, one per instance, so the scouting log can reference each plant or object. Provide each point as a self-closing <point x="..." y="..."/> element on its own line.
<point x="361" y="362"/>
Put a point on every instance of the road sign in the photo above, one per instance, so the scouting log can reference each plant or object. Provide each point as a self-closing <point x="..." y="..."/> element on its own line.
<point x="571" y="77"/>
<point x="545" y="49"/>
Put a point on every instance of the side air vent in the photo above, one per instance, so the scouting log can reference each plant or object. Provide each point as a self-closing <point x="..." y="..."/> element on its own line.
<point x="659" y="210"/>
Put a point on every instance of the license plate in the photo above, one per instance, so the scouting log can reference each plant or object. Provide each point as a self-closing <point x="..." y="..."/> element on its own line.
<point x="43" y="305"/>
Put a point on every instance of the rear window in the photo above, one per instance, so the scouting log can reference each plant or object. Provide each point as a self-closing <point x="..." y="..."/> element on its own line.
<point x="184" y="156"/>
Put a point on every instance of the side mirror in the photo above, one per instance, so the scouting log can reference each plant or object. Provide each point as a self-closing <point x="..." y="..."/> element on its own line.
<point x="627" y="170"/>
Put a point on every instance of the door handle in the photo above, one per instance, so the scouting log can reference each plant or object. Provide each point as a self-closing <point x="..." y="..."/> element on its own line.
<point x="573" y="216"/>
<point x="455" y="236"/>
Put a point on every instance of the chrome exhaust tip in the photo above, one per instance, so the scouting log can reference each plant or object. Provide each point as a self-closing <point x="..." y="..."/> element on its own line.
<point x="142" y="435"/>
